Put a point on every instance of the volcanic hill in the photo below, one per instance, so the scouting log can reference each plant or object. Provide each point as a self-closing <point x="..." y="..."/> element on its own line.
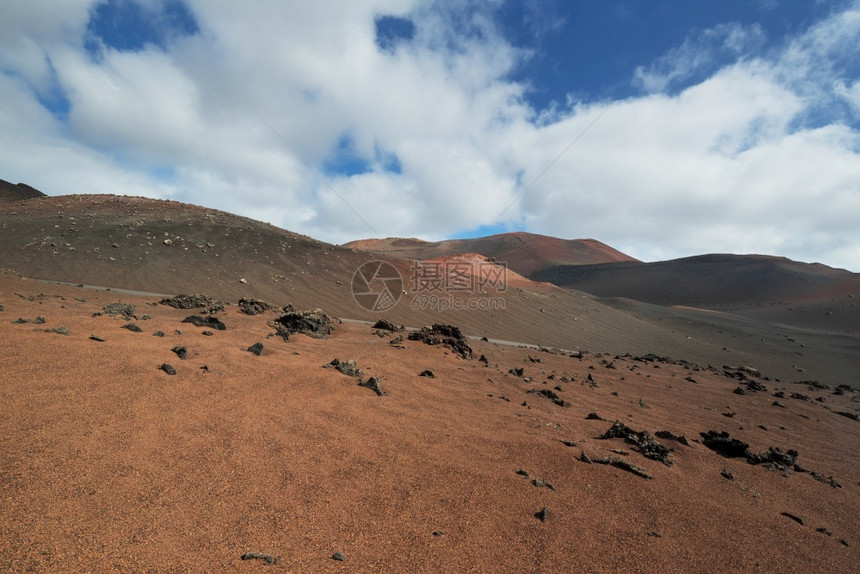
<point x="525" y="253"/>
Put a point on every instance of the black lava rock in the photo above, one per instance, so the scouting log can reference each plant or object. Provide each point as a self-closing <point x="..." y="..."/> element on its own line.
<point x="254" y="306"/>
<point x="385" y="325"/>
<point x="446" y="335"/>
<point x="373" y="384"/>
<point x="315" y="324"/>
<point x="723" y="444"/>
<point x="207" y="321"/>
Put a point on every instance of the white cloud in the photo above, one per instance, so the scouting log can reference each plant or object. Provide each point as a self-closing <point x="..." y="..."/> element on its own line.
<point x="729" y="150"/>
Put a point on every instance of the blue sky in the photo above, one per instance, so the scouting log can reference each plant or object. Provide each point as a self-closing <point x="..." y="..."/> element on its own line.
<point x="590" y="48"/>
<point x="664" y="128"/>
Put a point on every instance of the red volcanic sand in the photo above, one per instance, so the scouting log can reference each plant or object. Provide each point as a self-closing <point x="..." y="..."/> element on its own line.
<point x="108" y="464"/>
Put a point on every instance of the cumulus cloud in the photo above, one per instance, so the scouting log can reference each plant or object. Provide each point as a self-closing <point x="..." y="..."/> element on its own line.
<point x="294" y="114"/>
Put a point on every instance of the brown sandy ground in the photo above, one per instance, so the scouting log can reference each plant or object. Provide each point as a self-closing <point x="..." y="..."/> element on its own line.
<point x="108" y="464"/>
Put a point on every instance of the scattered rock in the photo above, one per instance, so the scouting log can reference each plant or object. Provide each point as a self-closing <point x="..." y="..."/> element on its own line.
<point x="830" y="481"/>
<point x="778" y="404"/>
<point x="207" y="333"/>
<point x="523" y="472"/>
<point x="667" y="435"/>
<point x="122" y="309"/>
<point x="268" y="560"/>
<point x="852" y="416"/>
<point x="196" y="301"/>
<point x="726" y="474"/>
<point x="349" y="368"/>
<point x="37" y="321"/>
<point x="584" y="458"/>
<point x="794" y="517"/>
<point x="739" y="391"/>
<point x="158" y="334"/>
<point x="542" y="514"/>
<point x="755" y="386"/>
<point x="516" y="371"/>
<point x="654" y="534"/>
<point x="483" y="359"/>
<point x="594" y="417"/>
<point x="553" y="396"/>
<point x="338" y="556"/>
<point x="315" y="324"/>
<point x="427" y="373"/>
<point x="774" y="458"/>
<point x="824" y="531"/>
<point x="181" y="352"/>
<point x="250" y="306"/>
<point x="132" y="327"/>
<point x="723" y="444"/>
<point x="643" y="442"/>
<point x="446" y="335"/>
<point x="541" y="483"/>
<point x="208" y="321"/>
<point x="58" y="331"/>
<point x="373" y="384"/>
<point x="96" y="338"/>
<point x="167" y="368"/>
<point x="256" y="348"/>
<point x="385" y="325"/>
<point x="623" y="465"/>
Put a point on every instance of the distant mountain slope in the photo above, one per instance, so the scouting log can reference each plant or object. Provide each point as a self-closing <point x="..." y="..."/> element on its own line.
<point x="525" y="253"/>
<point x="708" y="280"/>
<point x="16" y="192"/>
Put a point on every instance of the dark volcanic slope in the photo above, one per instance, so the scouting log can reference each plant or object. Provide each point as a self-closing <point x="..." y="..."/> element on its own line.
<point x="12" y="192"/>
<point x="707" y="280"/>
<point x="767" y="288"/>
<point x="525" y="253"/>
